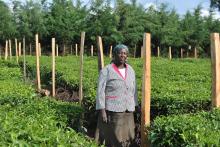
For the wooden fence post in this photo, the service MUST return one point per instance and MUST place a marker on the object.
(16, 49)
(100, 53)
(24, 60)
(92, 50)
(181, 53)
(53, 67)
(57, 51)
(6, 50)
(81, 67)
(195, 53)
(110, 54)
(30, 49)
(19, 49)
(135, 49)
(39, 49)
(100, 66)
(215, 58)
(71, 49)
(146, 91)
(10, 53)
(158, 51)
(76, 48)
(170, 53)
(37, 63)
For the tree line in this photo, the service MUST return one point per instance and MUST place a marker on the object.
(120, 22)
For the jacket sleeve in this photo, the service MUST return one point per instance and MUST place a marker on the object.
(100, 94)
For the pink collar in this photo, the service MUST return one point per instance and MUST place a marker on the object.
(117, 71)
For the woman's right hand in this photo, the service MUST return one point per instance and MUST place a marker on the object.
(104, 116)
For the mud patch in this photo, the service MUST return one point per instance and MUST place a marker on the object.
(66, 95)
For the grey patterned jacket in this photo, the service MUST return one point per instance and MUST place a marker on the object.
(115, 93)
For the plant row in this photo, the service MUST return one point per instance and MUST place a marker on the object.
(177, 86)
(202, 129)
(29, 120)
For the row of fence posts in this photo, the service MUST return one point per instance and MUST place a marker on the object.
(146, 85)
(170, 53)
(18, 50)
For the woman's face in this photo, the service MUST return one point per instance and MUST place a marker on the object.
(121, 56)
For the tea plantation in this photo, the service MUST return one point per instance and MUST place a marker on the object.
(180, 102)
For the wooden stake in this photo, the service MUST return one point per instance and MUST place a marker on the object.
(100, 53)
(195, 53)
(81, 67)
(19, 49)
(6, 50)
(39, 47)
(215, 58)
(92, 50)
(37, 63)
(146, 91)
(16, 49)
(30, 49)
(110, 55)
(53, 67)
(24, 61)
(170, 53)
(10, 52)
(57, 47)
(76, 49)
(135, 49)
(158, 51)
(71, 49)
(181, 52)
(100, 66)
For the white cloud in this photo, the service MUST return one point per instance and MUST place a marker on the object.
(147, 5)
(205, 13)
(217, 15)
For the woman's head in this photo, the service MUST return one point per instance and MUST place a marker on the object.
(120, 54)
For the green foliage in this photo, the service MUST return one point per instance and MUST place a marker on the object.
(215, 4)
(200, 129)
(7, 25)
(65, 21)
(27, 120)
(178, 86)
(122, 23)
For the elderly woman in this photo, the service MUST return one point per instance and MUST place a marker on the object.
(116, 100)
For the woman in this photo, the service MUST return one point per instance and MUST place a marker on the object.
(116, 100)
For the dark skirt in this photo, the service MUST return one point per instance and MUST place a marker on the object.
(119, 131)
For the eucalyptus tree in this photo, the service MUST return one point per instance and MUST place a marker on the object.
(29, 19)
(102, 21)
(132, 22)
(211, 25)
(165, 27)
(215, 4)
(65, 21)
(7, 24)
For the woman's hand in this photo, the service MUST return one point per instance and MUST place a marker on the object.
(104, 115)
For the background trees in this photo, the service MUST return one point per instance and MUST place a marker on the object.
(119, 22)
